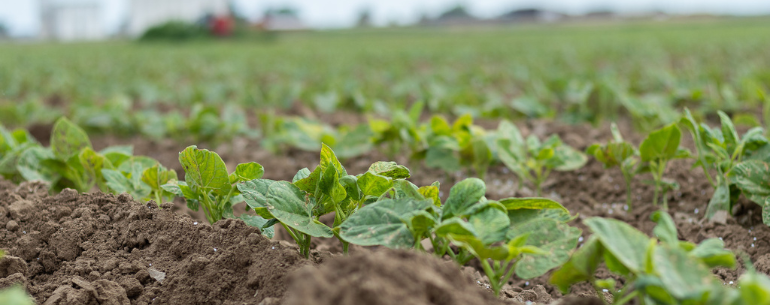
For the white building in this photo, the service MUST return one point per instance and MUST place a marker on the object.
(148, 13)
(71, 20)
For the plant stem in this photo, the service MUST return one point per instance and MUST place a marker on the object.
(157, 199)
(626, 298)
(307, 245)
(628, 191)
(345, 246)
(491, 275)
(599, 292)
(207, 206)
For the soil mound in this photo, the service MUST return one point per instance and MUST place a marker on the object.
(386, 277)
(104, 249)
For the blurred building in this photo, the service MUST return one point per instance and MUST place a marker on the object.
(531, 15)
(148, 13)
(285, 19)
(71, 20)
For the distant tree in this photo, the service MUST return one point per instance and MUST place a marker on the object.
(456, 12)
(176, 31)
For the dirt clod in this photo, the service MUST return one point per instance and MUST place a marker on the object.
(385, 277)
(66, 253)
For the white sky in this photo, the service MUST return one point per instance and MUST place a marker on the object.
(21, 16)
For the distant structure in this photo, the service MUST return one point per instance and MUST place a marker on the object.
(145, 14)
(364, 19)
(531, 15)
(285, 19)
(600, 14)
(71, 20)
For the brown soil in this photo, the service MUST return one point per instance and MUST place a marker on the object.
(590, 191)
(105, 249)
(386, 277)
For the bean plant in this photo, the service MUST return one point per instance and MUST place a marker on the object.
(666, 272)
(522, 236)
(721, 150)
(462, 144)
(660, 147)
(208, 185)
(618, 153)
(299, 204)
(532, 160)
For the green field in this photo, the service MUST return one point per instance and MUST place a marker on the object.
(574, 73)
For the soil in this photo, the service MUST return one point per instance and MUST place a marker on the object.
(106, 249)
(386, 277)
(255, 273)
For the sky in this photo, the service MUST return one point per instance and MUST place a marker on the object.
(21, 17)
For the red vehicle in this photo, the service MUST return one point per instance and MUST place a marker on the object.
(222, 26)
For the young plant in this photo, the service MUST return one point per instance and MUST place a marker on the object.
(402, 130)
(752, 178)
(155, 177)
(142, 178)
(531, 160)
(12, 145)
(299, 204)
(617, 153)
(721, 150)
(525, 236)
(669, 272)
(460, 145)
(69, 162)
(656, 150)
(208, 185)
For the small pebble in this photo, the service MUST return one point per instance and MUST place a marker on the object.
(696, 210)
(195, 223)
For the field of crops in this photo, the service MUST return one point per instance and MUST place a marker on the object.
(621, 163)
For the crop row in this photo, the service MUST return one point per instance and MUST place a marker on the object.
(733, 164)
(522, 236)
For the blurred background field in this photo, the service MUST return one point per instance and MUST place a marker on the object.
(217, 76)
